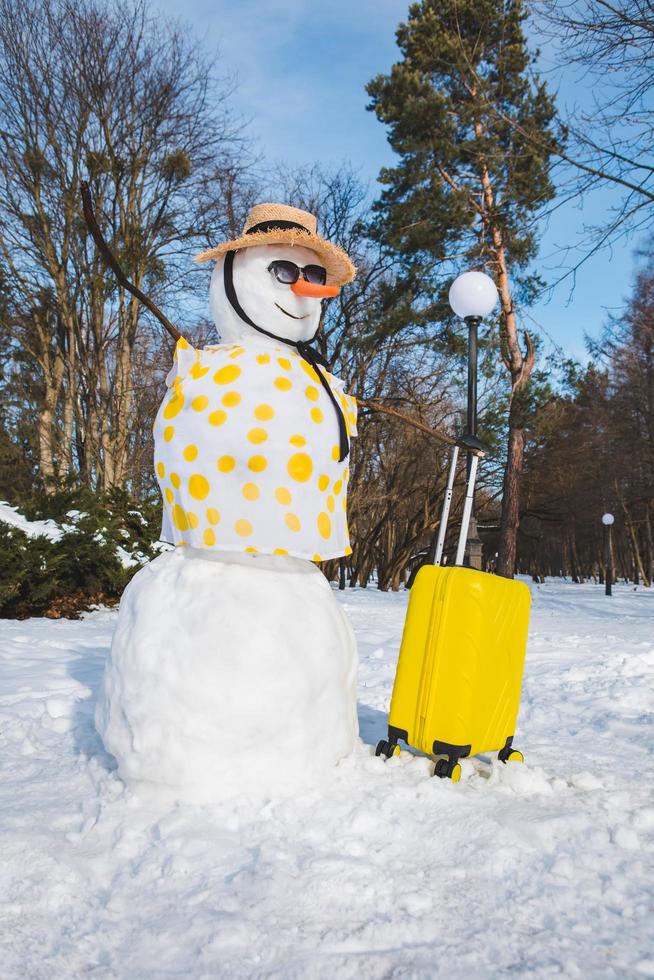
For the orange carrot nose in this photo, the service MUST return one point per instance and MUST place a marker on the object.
(304, 288)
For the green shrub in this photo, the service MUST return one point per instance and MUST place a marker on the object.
(106, 538)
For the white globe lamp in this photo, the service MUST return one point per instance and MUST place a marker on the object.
(607, 520)
(473, 294)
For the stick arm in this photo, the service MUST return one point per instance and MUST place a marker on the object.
(112, 262)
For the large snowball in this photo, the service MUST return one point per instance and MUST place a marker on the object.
(229, 675)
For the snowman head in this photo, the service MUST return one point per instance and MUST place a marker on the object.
(272, 279)
(278, 287)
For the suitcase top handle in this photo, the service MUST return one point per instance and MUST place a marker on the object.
(471, 445)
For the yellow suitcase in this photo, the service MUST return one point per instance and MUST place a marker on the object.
(459, 673)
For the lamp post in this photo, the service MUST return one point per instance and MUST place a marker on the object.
(607, 521)
(473, 295)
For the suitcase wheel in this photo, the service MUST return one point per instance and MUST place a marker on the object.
(509, 754)
(447, 769)
(387, 749)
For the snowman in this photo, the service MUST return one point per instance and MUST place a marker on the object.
(232, 668)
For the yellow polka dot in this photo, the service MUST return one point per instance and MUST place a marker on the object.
(243, 528)
(237, 352)
(250, 491)
(292, 521)
(192, 519)
(197, 371)
(252, 551)
(284, 363)
(317, 558)
(227, 374)
(283, 496)
(300, 467)
(209, 537)
(198, 486)
(182, 343)
(179, 518)
(264, 412)
(316, 415)
(200, 403)
(226, 464)
(324, 525)
(231, 399)
(311, 393)
(170, 496)
(161, 470)
(280, 551)
(257, 435)
(212, 515)
(190, 452)
(336, 452)
(217, 417)
(344, 502)
(310, 371)
(263, 358)
(175, 480)
(283, 384)
(330, 504)
(257, 463)
(323, 482)
(297, 441)
(338, 486)
(346, 474)
(348, 550)
(169, 432)
(174, 406)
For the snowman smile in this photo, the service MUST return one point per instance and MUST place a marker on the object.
(290, 314)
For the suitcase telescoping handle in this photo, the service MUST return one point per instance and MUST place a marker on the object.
(471, 445)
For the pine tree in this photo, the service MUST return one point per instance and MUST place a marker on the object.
(475, 131)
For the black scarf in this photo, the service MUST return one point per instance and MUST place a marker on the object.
(310, 355)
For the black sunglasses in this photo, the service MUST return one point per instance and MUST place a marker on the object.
(289, 272)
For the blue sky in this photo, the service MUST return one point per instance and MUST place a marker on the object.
(301, 67)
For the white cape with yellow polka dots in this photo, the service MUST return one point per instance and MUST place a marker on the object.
(246, 453)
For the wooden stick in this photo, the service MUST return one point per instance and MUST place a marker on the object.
(434, 433)
(112, 262)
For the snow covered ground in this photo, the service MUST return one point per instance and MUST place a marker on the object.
(539, 870)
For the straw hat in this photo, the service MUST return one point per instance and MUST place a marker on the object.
(279, 224)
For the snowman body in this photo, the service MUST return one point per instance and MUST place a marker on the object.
(233, 666)
(229, 675)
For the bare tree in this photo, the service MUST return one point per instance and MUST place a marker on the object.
(611, 45)
(109, 93)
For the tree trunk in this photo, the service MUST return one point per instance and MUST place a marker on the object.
(649, 546)
(639, 570)
(520, 367)
(46, 449)
(511, 504)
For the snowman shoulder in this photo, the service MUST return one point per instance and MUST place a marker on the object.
(192, 361)
(184, 358)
